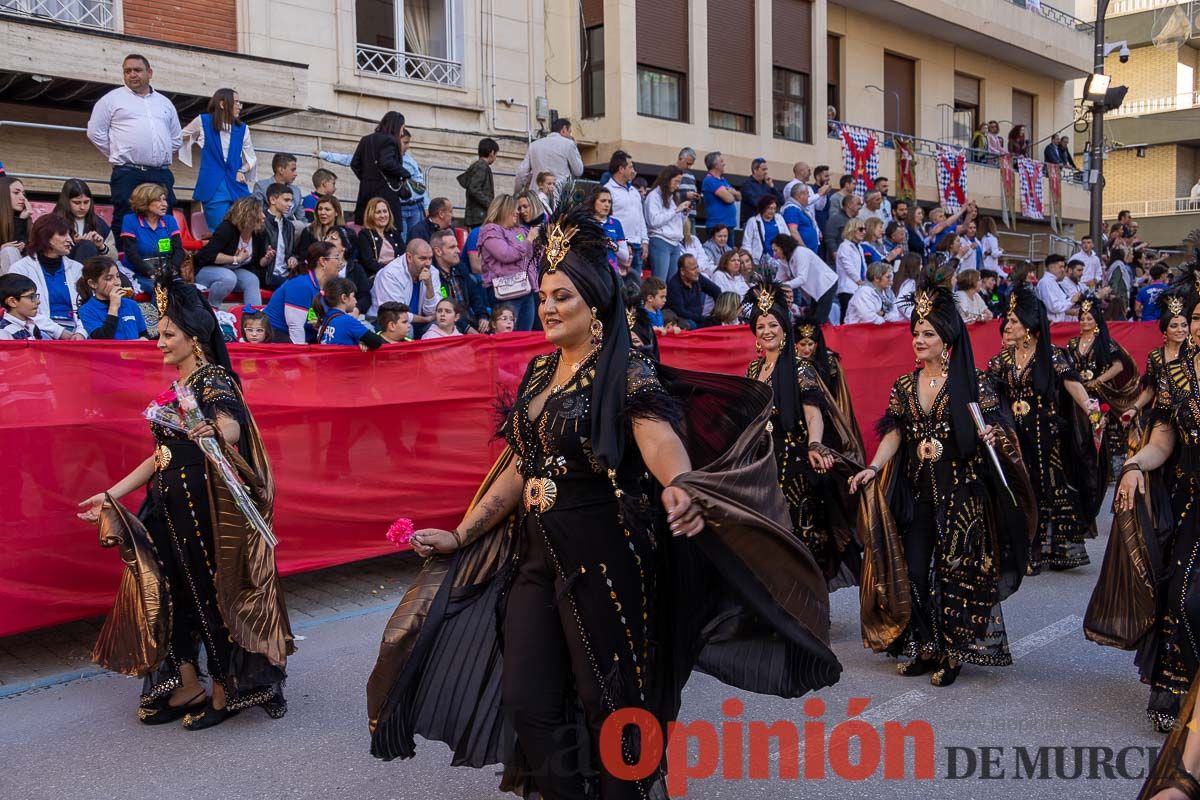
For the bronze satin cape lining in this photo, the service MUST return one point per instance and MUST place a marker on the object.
(1171, 754)
(747, 516)
(134, 637)
(885, 594)
(1123, 605)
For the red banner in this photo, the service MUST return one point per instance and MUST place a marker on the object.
(356, 439)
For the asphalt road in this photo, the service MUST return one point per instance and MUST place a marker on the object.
(81, 738)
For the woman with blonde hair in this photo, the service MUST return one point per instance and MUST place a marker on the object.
(507, 258)
(237, 255)
(149, 234)
(851, 262)
(969, 301)
(379, 242)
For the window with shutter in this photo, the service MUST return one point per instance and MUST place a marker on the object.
(731, 96)
(662, 58)
(791, 52)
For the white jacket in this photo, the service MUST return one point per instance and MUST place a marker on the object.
(807, 272)
(627, 207)
(663, 221)
(30, 268)
(851, 267)
(753, 233)
(866, 306)
(394, 283)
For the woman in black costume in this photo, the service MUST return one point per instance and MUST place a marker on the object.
(938, 508)
(804, 423)
(810, 345)
(1155, 503)
(585, 577)
(1174, 327)
(1049, 405)
(197, 575)
(1109, 376)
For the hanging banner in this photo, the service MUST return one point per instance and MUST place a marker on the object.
(1054, 197)
(952, 177)
(906, 169)
(860, 158)
(1008, 191)
(1032, 195)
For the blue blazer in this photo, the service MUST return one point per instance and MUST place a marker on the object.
(219, 170)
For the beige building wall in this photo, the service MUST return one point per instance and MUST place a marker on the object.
(864, 43)
(502, 48)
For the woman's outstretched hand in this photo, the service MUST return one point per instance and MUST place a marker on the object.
(861, 479)
(428, 541)
(92, 512)
(1132, 483)
(683, 515)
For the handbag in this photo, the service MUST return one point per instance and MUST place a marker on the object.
(511, 286)
(404, 189)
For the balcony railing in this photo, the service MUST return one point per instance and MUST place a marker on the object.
(1153, 208)
(1054, 15)
(1157, 105)
(84, 13)
(1134, 6)
(408, 66)
(929, 147)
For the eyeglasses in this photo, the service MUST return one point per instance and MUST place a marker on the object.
(31, 296)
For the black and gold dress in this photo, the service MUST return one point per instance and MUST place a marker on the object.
(584, 591)
(1058, 452)
(1117, 393)
(963, 540)
(197, 577)
(819, 505)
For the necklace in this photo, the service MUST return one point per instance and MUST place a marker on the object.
(933, 381)
(558, 387)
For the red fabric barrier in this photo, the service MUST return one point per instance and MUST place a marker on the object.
(356, 439)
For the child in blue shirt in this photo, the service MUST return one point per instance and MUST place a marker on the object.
(337, 325)
(106, 311)
(324, 182)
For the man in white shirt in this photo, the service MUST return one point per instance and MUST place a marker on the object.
(137, 129)
(1059, 305)
(873, 207)
(628, 208)
(1195, 194)
(409, 279)
(1071, 282)
(556, 153)
(1093, 270)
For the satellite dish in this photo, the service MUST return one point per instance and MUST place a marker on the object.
(1172, 28)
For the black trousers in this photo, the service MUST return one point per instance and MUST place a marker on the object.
(843, 301)
(538, 685)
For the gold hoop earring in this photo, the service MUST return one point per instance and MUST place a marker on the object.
(758, 348)
(197, 352)
(945, 361)
(596, 329)
(1025, 342)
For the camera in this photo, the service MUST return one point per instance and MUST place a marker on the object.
(1123, 54)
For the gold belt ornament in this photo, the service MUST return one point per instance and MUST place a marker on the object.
(540, 493)
(1086, 374)
(162, 457)
(929, 449)
(1020, 407)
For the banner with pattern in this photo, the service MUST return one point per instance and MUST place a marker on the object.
(1030, 172)
(860, 158)
(1054, 197)
(1008, 191)
(952, 177)
(906, 169)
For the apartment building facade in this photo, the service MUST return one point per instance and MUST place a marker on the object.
(753, 78)
(1154, 145)
(313, 74)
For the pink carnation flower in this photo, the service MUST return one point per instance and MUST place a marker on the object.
(400, 532)
(166, 398)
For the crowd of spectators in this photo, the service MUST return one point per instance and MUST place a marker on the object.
(282, 264)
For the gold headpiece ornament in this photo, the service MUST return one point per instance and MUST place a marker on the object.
(558, 244)
(1174, 307)
(924, 304)
(808, 331)
(631, 316)
(1012, 302)
(765, 300)
(1085, 307)
(161, 299)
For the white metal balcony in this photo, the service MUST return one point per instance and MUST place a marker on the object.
(83, 13)
(1152, 208)
(408, 66)
(1157, 105)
